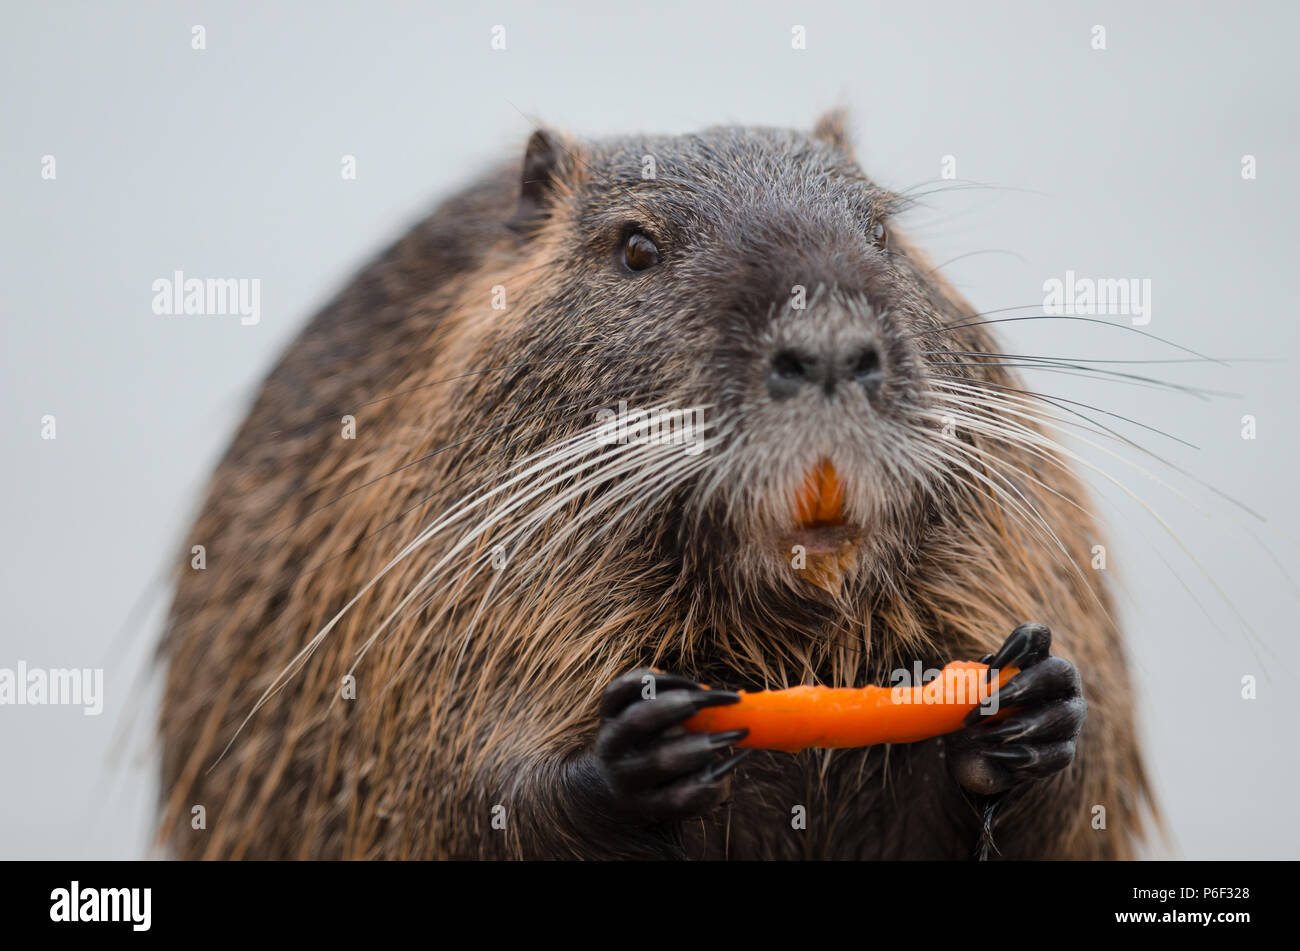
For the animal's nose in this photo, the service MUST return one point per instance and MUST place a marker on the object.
(793, 370)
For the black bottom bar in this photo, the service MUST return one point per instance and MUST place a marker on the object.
(992, 902)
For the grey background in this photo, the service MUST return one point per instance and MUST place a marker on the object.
(225, 162)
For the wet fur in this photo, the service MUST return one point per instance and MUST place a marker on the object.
(481, 696)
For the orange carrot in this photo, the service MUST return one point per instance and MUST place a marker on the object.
(801, 717)
(820, 500)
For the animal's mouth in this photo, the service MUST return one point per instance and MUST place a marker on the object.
(819, 511)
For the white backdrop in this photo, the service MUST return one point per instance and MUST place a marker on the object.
(225, 161)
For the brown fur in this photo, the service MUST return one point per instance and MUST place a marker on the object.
(475, 699)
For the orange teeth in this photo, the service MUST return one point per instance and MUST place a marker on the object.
(821, 499)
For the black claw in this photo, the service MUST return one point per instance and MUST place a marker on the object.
(729, 738)
(664, 681)
(714, 773)
(1054, 679)
(1028, 644)
(1057, 720)
(1012, 755)
(1002, 733)
(1011, 648)
(715, 698)
(1013, 693)
(626, 689)
(978, 714)
(984, 710)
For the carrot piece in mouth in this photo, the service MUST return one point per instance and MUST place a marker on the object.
(820, 500)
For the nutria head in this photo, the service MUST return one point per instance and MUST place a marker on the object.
(753, 278)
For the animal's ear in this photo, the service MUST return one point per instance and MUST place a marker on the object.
(547, 159)
(832, 128)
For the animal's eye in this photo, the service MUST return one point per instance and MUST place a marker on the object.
(879, 236)
(639, 252)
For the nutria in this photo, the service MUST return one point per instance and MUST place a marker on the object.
(445, 613)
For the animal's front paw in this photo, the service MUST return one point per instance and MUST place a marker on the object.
(654, 768)
(1038, 737)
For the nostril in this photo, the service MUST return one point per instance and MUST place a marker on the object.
(789, 372)
(790, 365)
(865, 366)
